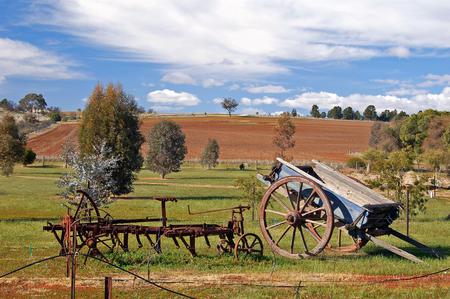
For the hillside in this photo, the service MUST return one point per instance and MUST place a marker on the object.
(246, 138)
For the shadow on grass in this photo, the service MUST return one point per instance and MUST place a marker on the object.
(442, 251)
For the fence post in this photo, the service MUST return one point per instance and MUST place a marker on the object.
(108, 287)
(407, 210)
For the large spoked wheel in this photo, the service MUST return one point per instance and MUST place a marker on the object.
(341, 242)
(291, 209)
(248, 245)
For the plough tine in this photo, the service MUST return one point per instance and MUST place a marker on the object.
(394, 249)
(420, 246)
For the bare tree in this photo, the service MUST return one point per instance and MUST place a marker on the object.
(230, 105)
(284, 135)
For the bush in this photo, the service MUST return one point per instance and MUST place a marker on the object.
(55, 116)
(28, 157)
(356, 163)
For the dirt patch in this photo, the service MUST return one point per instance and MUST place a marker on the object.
(240, 138)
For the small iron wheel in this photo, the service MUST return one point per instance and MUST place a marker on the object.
(224, 246)
(248, 245)
(288, 209)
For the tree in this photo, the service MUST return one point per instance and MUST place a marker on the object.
(28, 157)
(252, 190)
(370, 113)
(446, 137)
(32, 102)
(315, 111)
(294, 112)
(12, 144)
(166, 148)
(373, 158)
(284, 135)
(7, 105)
(335, 112)
(357, 115)
(210, 154)
(93, 173)
(323, 115)
(230, 105)
(68, 149)
(384, 137)
(111, 118)
(348, 113)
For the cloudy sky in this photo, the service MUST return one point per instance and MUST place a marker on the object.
(183, 56)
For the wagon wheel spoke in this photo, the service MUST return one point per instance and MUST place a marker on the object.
(276, 224)
(293, 239)
(299, 194)
(307, 201)
(289, 196)
(316, 222)
(280, 202)
(303, 239)
(276, 212)
(313, 211)
(283, 234)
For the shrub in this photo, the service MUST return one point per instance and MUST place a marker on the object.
(28, 157)
(356, 163)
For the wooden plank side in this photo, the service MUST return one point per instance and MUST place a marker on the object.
(349, 188)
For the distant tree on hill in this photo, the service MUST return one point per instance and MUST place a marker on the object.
(294, 112)
(284, 135)
(210, 155)
(230, 105)
(315, 111)
(384, 137)
(335, 112)
(28, 157)
(111, 119)
(8, 105)
(323, 115)
(357, 115)
(12, 145)
(348, 113)
(370, 113)
(166, 148)
(32, 102)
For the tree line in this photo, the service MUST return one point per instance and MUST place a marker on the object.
(370, 113)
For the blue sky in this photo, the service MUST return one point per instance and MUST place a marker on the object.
(182, 56)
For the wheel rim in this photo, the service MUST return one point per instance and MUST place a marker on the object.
(287, 207)
(248, 245)
(341, 242)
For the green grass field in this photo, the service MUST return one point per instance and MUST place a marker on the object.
(29, 199)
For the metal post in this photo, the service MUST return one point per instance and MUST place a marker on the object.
(407, 210)
(73, 268)
(163, 211)
(108, 287)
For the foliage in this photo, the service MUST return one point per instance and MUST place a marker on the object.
(294, 112)
(54, 114)
(356, 162)
(229, 104)
(357, 115)
(446, 137)
(12, 144)
(68, 149)
(252, 190)
(284, 135)
(166, 148)
(384, 137)
(93, 173)
(28, 157)
(111, 118)
(315, 111)
(210, 154)
(32, 102)
(370, 113)
(335, 112)
(323, 115)
(8, 105)
(348, 113)
(373, 159)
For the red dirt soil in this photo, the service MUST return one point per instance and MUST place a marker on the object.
(241, 138)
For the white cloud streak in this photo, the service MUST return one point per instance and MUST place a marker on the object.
(238, 39)
(266, 89)
(178, 78)
(167, 97)
(22, 59)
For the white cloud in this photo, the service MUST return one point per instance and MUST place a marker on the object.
(21, 59)
(406, 91)
(266, 89)
(234, 87)
(259, 101)
(212, 83)
(432, 80)
(400, 52)
(252, 111)
(168, 97)
(178, 78)
(231, 39)
(440, 101)
(387, 81)
(217, 100)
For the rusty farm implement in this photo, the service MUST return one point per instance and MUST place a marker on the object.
(87, 228)
(303, 205)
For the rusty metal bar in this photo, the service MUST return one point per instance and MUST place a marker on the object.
(108, 287)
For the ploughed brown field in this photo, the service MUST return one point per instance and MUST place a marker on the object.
(241, 138)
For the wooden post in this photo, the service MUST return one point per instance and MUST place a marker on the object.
(108, 287)
(407, 210)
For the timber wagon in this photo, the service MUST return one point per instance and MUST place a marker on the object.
(303, 206)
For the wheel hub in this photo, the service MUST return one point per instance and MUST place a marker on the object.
(294, 218)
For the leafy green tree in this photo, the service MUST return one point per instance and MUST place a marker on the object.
(370, 113)
(355, 162)
(12, 144)
(315, 111)
(230, 105)
(373, 159)
(357, 115)
(166, 148)
(7, 105)
(210, 155)
(294, 112)
(335, 112)
(323, 115)
(348, 113)
(32, 101)
(384, 137)
(284, 135)
(252, 190)
(111, 119)
(28, 157)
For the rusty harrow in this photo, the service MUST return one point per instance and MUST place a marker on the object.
(94, 230)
